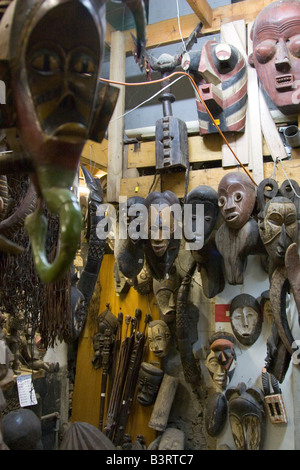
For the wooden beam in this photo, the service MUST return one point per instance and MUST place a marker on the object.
(116, 126)
(96, 154)
(167, 32)
(203, 10)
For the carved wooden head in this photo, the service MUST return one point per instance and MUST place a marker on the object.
(221, 360)
(149, 380)
(159, 337)
(245, 318)
(237, 197)
(276, 53)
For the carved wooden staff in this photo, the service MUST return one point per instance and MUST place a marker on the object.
(118, 384)
(131, 381)
(105, 366)
(116, 351)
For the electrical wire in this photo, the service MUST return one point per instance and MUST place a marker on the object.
(152, 82)
(179, 27)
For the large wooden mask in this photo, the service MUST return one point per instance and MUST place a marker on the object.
(245, 318)
(276, 53)
(222, 81)
(221, 360)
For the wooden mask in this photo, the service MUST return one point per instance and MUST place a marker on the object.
(149, 380)
(165, 292)
(276, 53)
(162, 245)
(221, 74)
(221, 360)
(159, 338)
(247, 417)
(245, 318)
(236, 196)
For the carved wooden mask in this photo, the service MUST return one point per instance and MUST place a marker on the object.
(276, 53)
(247, 417)
(149, 380)
(245, 318)
(223, 87)
(159, 337)
(221, 360)
(236, 196)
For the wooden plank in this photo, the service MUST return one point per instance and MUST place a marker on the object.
(96, 153)
(270, 131)
(255, 132)
(139, 186)
(203, 10)
(234, 33)
(167, 32)
(116, 127)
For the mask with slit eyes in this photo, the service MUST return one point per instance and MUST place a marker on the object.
(276, 53)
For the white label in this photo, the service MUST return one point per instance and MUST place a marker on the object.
(27, 396)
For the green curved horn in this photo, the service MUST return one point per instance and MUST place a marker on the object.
(64, 203)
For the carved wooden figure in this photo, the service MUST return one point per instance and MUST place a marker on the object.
(165, 292)
(159, 337)
(245, 318)
(238, 236)
(276, 53)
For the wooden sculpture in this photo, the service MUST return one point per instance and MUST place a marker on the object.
(245, 318)
(56, 103)
(276, 53)
(238, 236)
(247, 416)
(207, 256)
(162, 245)
(220, 72)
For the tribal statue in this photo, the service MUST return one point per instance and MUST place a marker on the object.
(56, 103)
(276, 53)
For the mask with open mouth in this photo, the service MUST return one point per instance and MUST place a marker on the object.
(276, 53)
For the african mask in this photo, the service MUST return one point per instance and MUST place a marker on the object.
(105, 335)
(276, 53)
(221, 76)
(278, 229)
(149, 380)
(245, 318)
(159, 338)
(57, 101)
(162, 245)
(236, 196)
(172, 439)
(199, 233)
(221, 360)
(247, 416)
(165, 292)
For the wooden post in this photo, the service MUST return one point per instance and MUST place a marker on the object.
(163, 403)
(116, 128)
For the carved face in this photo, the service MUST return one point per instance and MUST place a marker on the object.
(236, 198)
(159, 338)
(223, 88)
(221, 362)
(149, 381)
(165, 292)
(161, 225)
(172, 439)
(208, 198)
(279, 228)
(276, 53)
(245, 318)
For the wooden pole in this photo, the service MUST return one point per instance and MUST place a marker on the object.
(163, 403)
(116, 127)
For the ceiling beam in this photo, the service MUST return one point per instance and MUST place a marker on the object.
(203, 10)
(167, 32)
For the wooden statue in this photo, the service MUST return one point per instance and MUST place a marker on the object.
(220, 72)
(159, 337)
(149, 381)
(238, 236)
(276, 53)
(107, 327)
(208, 258)
(245, 318)
(162, 245)
(247, 416)
(221, 360)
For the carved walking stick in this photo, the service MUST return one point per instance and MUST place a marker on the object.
(105, 366)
